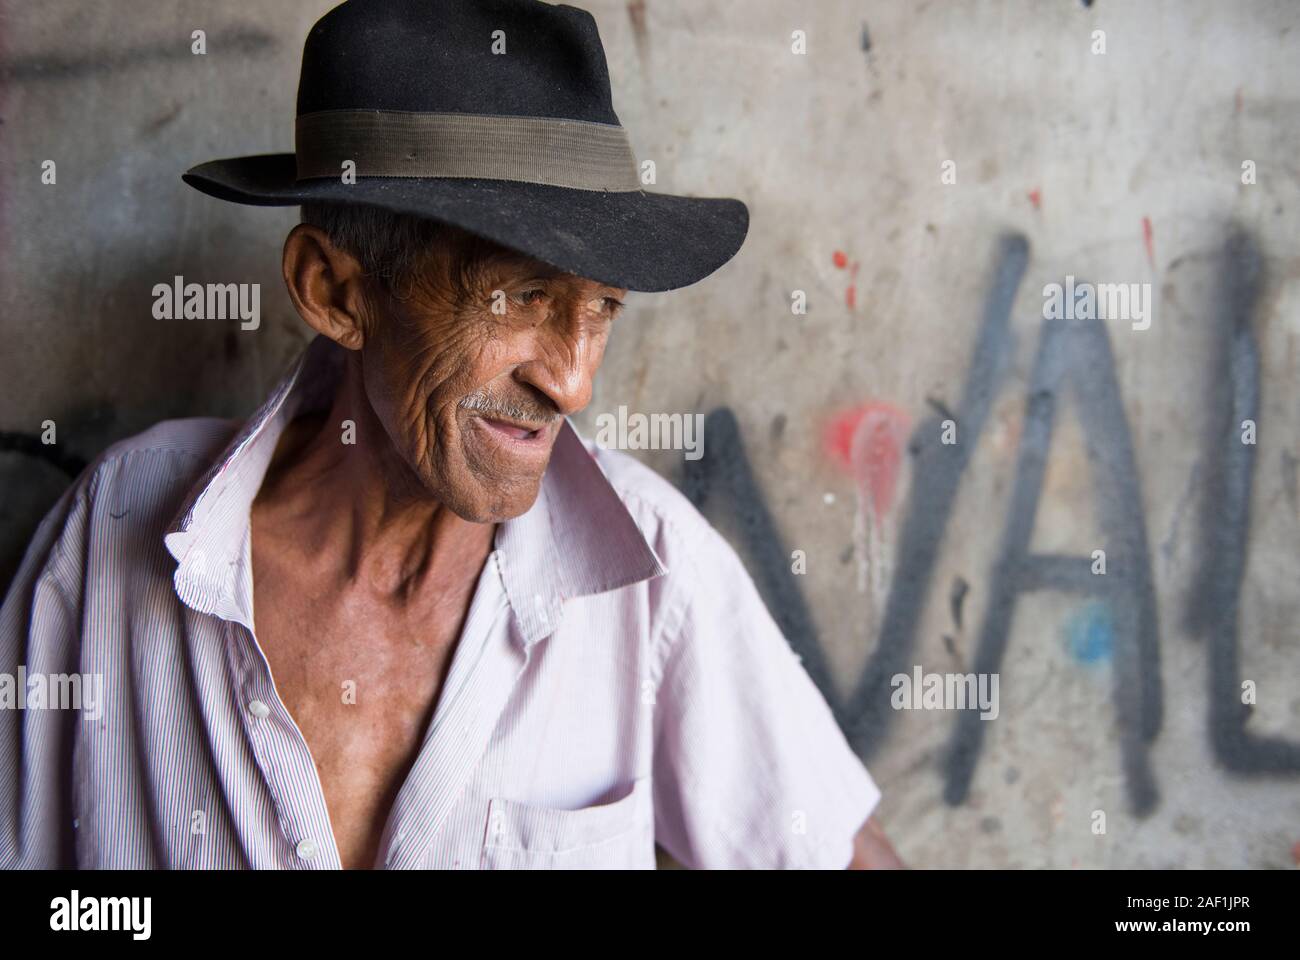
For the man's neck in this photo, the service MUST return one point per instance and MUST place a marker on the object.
(357, 510)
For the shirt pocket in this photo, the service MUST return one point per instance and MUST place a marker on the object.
(611, 836)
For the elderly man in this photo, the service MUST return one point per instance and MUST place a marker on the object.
(403, 616)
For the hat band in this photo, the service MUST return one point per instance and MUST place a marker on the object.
(579, 154)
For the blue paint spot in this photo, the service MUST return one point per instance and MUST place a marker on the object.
(1090, 632)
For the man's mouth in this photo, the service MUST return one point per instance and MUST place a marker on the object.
(515, 431)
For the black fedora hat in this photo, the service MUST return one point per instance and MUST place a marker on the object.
(494, 116)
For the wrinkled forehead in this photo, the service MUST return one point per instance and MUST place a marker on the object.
(461, 267)
(515, 261)
(476, 251)
(470, 251)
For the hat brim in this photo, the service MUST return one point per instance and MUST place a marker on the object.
(637, 240)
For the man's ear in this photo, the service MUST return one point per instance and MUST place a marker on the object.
(327, 286)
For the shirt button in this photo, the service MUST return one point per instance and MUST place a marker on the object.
(306, 848)
(258, 709)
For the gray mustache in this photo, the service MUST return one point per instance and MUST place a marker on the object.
(498, 408)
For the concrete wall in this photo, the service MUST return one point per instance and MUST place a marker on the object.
(1118, 693)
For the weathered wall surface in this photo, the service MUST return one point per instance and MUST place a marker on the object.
(1120, 692)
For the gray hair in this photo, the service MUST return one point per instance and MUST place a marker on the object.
(390, 246)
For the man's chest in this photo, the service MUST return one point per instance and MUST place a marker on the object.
(361, 681)
(531, 745)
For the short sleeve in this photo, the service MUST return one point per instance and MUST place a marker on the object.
(39, 633)
(750, 768)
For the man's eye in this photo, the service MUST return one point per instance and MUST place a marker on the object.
(529, 297)
(613, 305)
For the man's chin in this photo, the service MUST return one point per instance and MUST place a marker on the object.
(491, 504)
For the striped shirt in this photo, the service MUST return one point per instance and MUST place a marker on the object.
(617, 684)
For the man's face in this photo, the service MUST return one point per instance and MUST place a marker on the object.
(472, 373)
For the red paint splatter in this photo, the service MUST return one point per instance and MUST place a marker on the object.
(1148, 240)
(1036, 198)
(636, 13)
(839, 437)
(868, 441)
(841, 260)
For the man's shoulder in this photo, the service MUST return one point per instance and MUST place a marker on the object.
(127, 495)
(202, 437)
(159, 464)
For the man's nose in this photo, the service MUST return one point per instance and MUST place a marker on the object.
(566, 352)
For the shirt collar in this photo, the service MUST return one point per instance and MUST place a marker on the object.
(577, 538)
